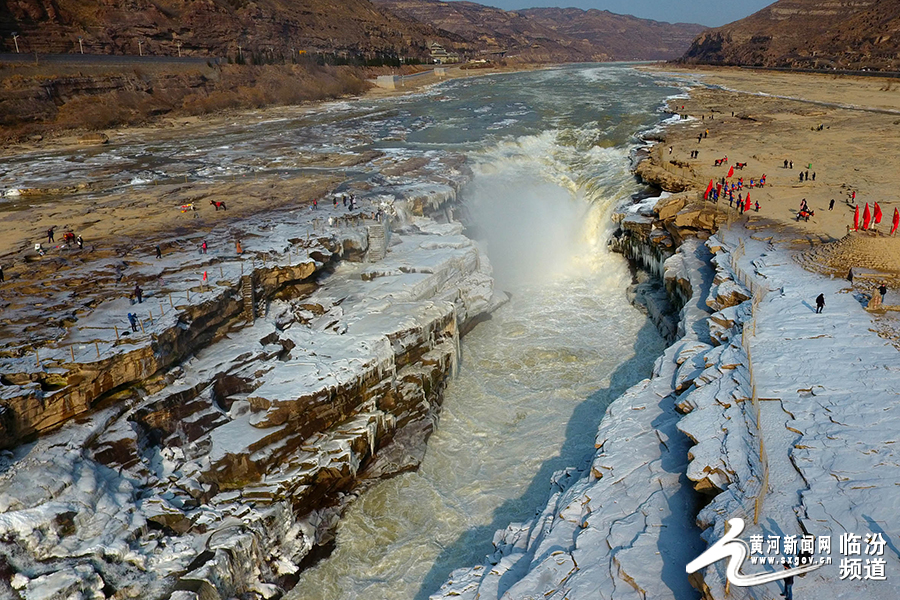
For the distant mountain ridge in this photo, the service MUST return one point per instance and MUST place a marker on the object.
(621, 37)
(281, 28)
(551, 34)
(830, 34)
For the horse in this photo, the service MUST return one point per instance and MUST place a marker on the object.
(218, 205)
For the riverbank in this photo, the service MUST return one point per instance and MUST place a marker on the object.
(279, 361)
(760, 406)
(257, 393)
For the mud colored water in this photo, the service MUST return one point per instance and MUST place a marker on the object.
(550, 152)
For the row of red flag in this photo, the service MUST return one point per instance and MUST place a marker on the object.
(874, 217)
(718, 187)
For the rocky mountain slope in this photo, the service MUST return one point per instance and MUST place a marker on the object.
(210, 28)
(620, 37)
(807, 34)
(550, 34)
(274, 30)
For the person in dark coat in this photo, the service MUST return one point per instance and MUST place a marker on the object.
(158, 251)
(788, 585)
(132, 318)
(820, 303)
(831, 204)
(1, 273)
(50, 236)
(139, 294)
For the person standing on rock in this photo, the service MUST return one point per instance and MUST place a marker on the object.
(132, 318)
(158, 251)
(788, 593)
(820, 303)
(203, 247)
(50, 235)
(792, 164)
(80, 241)
(139, 293)
(882, 292)
(238, 248)
(1, 274)
(831, 204)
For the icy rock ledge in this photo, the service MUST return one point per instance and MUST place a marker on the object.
(612, 530)
(813, 456)
(220, 483)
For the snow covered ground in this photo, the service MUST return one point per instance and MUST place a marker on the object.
(224, 474)
(796, 438)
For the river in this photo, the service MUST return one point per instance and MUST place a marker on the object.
(550, 154)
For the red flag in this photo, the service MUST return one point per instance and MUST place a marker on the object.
(204, 275)
(731, 171)
(896, 221)
(747, 203)
(867, 217)
(856, 219)
(708, 190)
(877, 216)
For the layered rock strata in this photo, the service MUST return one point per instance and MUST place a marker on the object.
(625, 527)
(210, 458)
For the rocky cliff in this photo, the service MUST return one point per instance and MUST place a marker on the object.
(273, 29)
(268, 28)
(807, 34)
(209, 453)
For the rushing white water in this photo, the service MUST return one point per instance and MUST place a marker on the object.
(535, 379)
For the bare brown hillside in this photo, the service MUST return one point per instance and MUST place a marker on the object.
(551, 34)
(813, 34)
(620, 37)
(263, 28)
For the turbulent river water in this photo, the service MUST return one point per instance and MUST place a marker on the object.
(550, 152)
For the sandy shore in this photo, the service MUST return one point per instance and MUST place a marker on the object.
(842, 129)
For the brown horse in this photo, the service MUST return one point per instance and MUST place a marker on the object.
(218, 205)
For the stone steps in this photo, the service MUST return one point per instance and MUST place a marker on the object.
(377, 233)
(248, 296)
